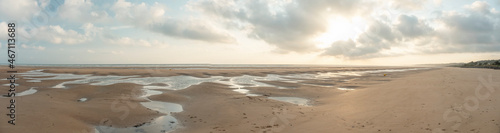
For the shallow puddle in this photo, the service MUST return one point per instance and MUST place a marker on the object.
(244, 91)
(168, 123)
(161, 124)
(345, 89)
(82, 99)
(148, 93)
(182, 82)
(293, 100)
(30, 91)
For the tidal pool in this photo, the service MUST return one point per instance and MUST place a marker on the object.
(293, 100)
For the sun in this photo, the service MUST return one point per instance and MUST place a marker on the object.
(340, 28)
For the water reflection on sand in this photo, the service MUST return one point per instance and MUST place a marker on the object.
(154, 85)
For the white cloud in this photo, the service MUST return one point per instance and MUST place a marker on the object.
(57, 35)
(475, 30)
(3, 31)
(120, 27)
(153, 18)
(411, 26)
(409, 4)
(18, 9)
(192, 29)
(378, 37)
(138, 13)
(126, 41)
(81, 11)
(479, 6)
(32, 47)
(290, 25)
(129, 41)
(438, 2)
(91, 30)
(389, 28)
(117, 52)
(43, 3)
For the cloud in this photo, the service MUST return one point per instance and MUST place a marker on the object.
(117, 52)
(81, 11)
(388, 28)
(480, 7)
(90, 51)
(411, 26)
(344, 48)
(289, 25)
(18, 9)
(127, 41)
(378, 37)
(139, 14)
(379, 32)
(3, 31)
(44, 3)
(476, 29)
(153, 18)
(120, 27)
(292, 25)
(32, 47)
(100, 34)
(192, 30)
(91, 30)
(409, 4)
(57, 35)
(438, 2)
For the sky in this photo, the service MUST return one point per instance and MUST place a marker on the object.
(331, 32)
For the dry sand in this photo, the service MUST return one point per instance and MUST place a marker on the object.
(415, 101)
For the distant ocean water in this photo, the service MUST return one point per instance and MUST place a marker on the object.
(184, 66)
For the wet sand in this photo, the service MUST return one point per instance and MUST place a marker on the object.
(411, 101)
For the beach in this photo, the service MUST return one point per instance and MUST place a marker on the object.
(247, 99)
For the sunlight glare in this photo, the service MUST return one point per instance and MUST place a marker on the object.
(340, 28)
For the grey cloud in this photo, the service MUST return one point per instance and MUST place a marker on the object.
(379, 32)
(408, 4)
(477, 29)
(18, 10)
(474, 30)
(378, 37)
(411, 26)
(81, 11)
(350, 49)
(291, 26)
(191, 30)
(288, 26)
(480, 7)
(468, 23)
(153, 18)
(341, 48)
